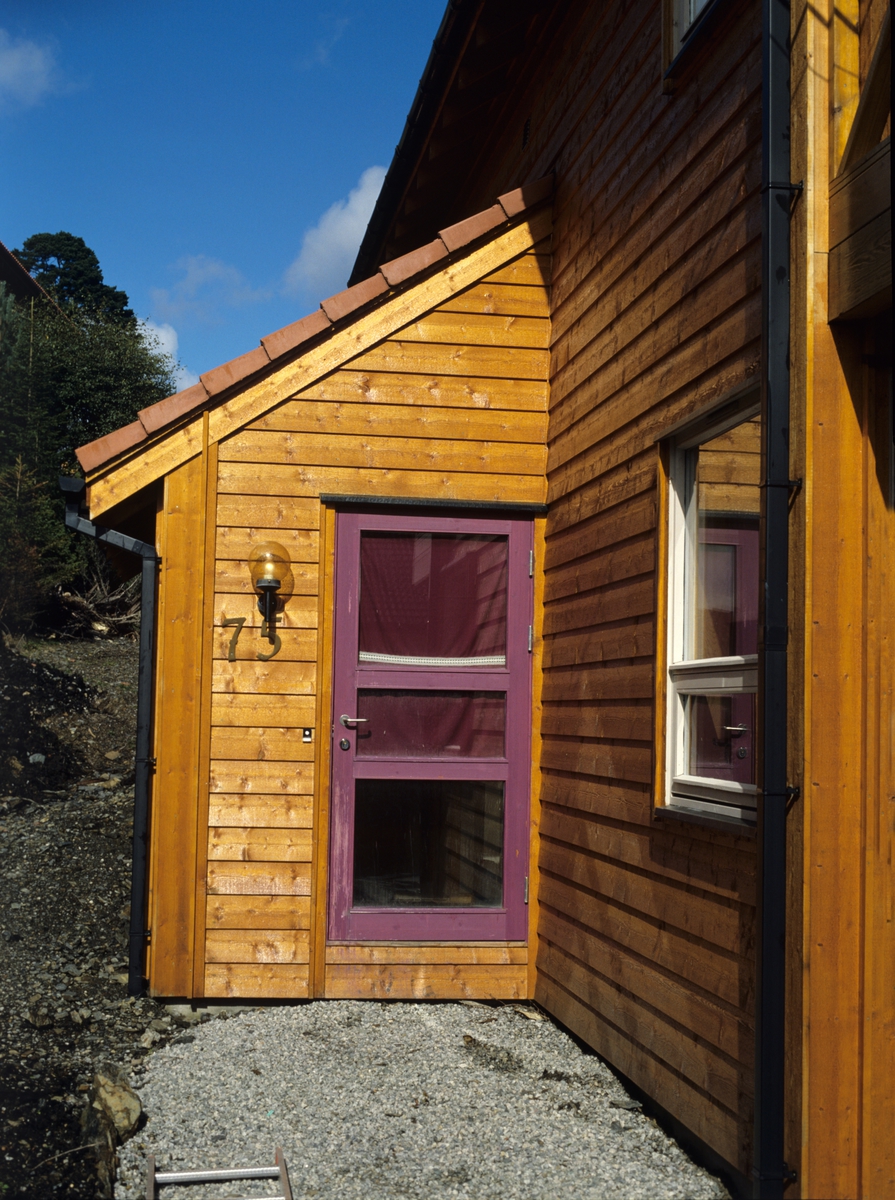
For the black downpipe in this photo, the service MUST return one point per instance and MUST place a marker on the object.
(770, 1172)
(74, 490)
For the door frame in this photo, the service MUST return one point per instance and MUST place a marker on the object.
(509, 922)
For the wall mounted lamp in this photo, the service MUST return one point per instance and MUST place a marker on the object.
(272, 579)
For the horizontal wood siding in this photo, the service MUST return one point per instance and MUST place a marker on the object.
(647, 929)
(452, 406)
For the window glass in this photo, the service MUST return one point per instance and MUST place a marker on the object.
(430, 724)
(435, 600)
(432, 843)
(725, 591)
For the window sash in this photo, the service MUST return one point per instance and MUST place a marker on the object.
(688, 676)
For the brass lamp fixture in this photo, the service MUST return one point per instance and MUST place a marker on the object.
(272, 579)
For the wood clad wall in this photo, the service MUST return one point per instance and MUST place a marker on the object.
(843, 995)
(646, 927)
(453, 406)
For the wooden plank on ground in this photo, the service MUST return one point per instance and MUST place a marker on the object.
(259, 879)
(256, 946)
(256, 981)
(258, 912)
(365, 981)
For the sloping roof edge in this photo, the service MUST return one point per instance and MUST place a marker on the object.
(334, 314)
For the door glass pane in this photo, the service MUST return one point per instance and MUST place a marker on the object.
(720, 735)
(435, 600)
(428, 843)
(427, 724)
(728, 473)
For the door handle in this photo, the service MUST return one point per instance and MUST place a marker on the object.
(349, 721)
(736, 730)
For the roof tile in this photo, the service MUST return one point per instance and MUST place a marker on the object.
(464, 232)
(346, 302)
(520, 198)
(172, 408)
(286, 339)
(234, 371)
(402, 268)
(94, 454)
(390, 274)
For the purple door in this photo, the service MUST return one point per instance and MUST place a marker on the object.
(431, 728)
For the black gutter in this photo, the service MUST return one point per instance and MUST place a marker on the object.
(74, 491)
(770, 1172)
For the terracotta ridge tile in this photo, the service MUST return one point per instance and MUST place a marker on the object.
(234, 371)
(172, 408)
(281, 341)
(464, 232)
(406, 265)
(527, 196)
(339, 306)
(110, 445)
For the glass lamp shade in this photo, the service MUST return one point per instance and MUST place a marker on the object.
(270, 561)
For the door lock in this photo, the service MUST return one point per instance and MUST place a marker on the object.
(344, 744)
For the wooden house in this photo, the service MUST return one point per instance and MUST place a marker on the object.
(523, 615)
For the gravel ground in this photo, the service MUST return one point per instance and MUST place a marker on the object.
(66, 800)
(387, 1101)
(382, 1101)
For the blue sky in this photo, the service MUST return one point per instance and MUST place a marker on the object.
(220, 158)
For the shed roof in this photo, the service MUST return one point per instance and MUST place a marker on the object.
(335, 315)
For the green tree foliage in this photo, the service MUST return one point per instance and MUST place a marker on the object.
(66, 268)
(66, 378)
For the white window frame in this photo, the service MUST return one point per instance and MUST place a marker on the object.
(685, 676)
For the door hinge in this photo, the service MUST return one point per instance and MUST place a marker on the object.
(530, 638)
(526, 889)
(531, 564)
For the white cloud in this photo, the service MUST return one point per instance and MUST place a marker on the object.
(164, 337)
(207, 286)
(26, 72)
(328, 250)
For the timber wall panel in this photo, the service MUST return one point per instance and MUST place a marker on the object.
(454, 405)
(647, 928)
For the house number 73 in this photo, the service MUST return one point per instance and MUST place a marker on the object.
(238, 622)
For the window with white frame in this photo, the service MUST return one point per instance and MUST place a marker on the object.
(713, 579)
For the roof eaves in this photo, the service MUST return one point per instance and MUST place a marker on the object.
(333, 314)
